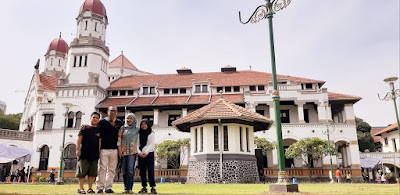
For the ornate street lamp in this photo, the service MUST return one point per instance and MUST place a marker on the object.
(392, 95)
(263, 12)
(61, 171)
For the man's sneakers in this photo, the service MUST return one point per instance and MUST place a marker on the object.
(153, 191)
(109, 191)
(99, 191)
(143, 191)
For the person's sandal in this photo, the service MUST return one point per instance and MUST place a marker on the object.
(143, 191)
(81, 191)
(91, 191)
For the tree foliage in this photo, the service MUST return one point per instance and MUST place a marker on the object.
(309, 150)
(362, 126)
(173, 153)
(264, 145)
(365, 140)
(10, 121)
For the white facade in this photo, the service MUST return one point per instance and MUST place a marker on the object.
(390, 141)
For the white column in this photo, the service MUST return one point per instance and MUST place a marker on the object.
(271, 111)
(349, 155)
(329, 112)
(300, 111)
(344, 157)
(349, 111)
(321, 113)
(275, 158)
(184, 112)
(155, 122)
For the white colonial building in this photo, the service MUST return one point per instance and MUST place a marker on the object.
(80, 74)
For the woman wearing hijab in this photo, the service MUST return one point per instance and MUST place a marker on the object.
(128, 136)
(145, 148)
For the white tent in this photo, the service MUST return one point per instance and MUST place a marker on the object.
(10, 153)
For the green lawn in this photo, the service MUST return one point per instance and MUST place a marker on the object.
(171, 188)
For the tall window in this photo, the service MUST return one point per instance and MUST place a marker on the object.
(44, 158)
(48, 122)
(195, 140)
(226, 138)
(149, 90)
(201, 139)
(70, 157)
(70, 122)
(247, 140)
(216, 140)
(150, 118)
(80, 61)
(306, 117)
(86, 25)
(285, 116)
(78, 119)
(86, 60)
(51, 61)
(74, 61)
(95, 26)
(171, 118)
(241, 139)
(394, 145)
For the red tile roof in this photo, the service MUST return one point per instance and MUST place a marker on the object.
(388, 129)
(339, 96)
(115, 102)
(168, 100)
(375, 130)
(48, 82)
(238, 78)
(122, 62)
(96, 6)
(222, 109)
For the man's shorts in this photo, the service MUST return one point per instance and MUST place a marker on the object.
(86, 167)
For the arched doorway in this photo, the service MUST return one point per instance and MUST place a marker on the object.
(344, 154)
(289, 162)
(70, 157)
(44, 158)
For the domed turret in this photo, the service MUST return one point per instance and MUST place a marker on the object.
(95, 6)
(56, 57)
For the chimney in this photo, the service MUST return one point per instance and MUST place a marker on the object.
(184, 71)
(228, 69)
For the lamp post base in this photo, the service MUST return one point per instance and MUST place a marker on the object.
(284, 187)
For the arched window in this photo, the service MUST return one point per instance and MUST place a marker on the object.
(70, 157)
(70, 123)
(44, 158)
(78, 119)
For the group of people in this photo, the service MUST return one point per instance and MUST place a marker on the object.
(18, 175)
(101, 143)
(338, 175)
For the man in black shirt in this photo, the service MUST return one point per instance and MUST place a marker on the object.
(88, 154)
(109, 128)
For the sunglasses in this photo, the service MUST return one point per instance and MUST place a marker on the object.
(112, 110)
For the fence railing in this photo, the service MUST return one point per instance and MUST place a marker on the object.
(380, 155)
(314, 172)
(16, 135)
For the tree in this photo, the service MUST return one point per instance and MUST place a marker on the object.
(365, 140)
(10, 121)
(264, 145)
(362, 126)
(309, 150)
(173, 153)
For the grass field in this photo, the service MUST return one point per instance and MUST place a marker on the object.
(171, 188)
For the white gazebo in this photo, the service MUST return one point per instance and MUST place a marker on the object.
(222, 142)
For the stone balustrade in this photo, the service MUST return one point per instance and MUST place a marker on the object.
(15, 135)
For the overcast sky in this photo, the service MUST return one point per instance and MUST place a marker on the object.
(352, 45)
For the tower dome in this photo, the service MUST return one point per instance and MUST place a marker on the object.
(96, 6)
(59, 45)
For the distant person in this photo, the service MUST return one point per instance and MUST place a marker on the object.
(88, 154)
(128, 138)
(52, 175)
(22, 174)
(109, 128)
(348, 178)
(384, 178)
(146, 156)
(338, 174)
(16, 175)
